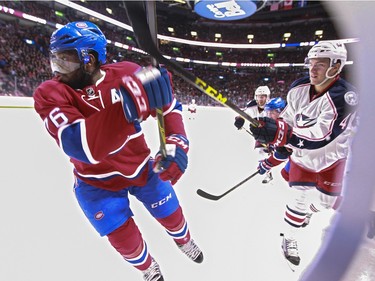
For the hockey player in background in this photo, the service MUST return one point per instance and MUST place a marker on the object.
(317, 125)
(277, 155)
(192, 108)
(255, 109)
(94, 112)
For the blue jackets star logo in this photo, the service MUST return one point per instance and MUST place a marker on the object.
(300, 144)
(304, 121)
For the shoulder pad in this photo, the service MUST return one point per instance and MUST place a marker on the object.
(251, 103)
(300, 81)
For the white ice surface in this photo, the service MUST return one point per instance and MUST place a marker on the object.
(44, 235)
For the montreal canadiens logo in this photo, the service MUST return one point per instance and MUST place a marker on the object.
(99, 215)
(81, 24)
(351, 98)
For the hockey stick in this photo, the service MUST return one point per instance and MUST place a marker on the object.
(137, 16)
(247, 131)
(151, 19)
(251, 134)
(209, 196)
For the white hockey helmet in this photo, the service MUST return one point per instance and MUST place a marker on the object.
(335, 51)
(193, 101)
(263, 91)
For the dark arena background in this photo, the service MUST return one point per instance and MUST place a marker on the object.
(44, 237)
(284, 34)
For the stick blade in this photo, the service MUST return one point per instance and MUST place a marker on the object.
(208, 196)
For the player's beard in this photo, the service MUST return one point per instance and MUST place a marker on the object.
(80, 79)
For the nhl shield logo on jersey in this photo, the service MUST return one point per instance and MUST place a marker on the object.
(351, 98)
(90, 92)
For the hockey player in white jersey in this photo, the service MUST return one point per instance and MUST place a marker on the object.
(317, 125)
(192, 108)
(255, 109)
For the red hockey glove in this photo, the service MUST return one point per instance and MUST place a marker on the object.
(156, 93)
(275, 159)
(174, 165)
(264, 166)
(157, 85)
(276, 132)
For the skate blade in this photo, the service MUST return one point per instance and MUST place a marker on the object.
(291, 266)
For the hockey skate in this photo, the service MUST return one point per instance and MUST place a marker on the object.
(153, 272)
(268, 178)
(307, 220)
(290, 249)
(192, 251)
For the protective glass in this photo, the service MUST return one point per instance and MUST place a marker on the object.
(62, 65)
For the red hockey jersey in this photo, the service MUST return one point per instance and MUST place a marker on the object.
(90, 127)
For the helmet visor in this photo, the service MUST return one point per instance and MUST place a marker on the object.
(63, 66)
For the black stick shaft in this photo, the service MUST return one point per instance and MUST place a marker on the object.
(209, 196)
(138, 19)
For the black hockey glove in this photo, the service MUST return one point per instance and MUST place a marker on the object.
(270, 131)
(238, 122)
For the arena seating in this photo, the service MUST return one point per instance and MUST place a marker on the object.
(24, 66)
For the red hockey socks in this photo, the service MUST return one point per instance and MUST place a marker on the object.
(128, 241)
(176, 226)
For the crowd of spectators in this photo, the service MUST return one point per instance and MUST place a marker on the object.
(23, 66)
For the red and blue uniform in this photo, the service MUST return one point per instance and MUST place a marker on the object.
(109, 153)
(106, 150)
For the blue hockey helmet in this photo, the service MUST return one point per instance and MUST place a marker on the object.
(82, 36)
(275, 104)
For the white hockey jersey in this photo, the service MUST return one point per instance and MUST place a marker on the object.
(192, 107)
(253, 110)
(323, 125)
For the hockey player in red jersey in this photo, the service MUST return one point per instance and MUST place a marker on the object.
(317, 125)
(94, 112)
(277, 155)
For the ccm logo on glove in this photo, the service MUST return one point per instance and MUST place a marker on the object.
(175, 163)
(280, 134)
